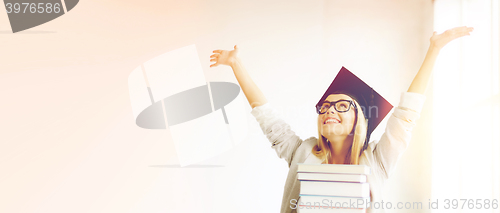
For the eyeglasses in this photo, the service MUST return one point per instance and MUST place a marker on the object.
(340, 106)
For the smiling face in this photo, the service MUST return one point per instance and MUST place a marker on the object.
(333, 124)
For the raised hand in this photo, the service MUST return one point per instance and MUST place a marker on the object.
(440, 40)
(225, 57)
(229, 57)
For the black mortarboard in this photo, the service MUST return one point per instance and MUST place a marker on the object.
(374, 106)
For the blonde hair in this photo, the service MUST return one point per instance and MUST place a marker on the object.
(323, 149)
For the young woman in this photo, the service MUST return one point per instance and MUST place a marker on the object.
(342, 128)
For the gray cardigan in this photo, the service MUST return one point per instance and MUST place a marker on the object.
(381, 156)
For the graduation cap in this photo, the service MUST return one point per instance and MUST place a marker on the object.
(374, 106)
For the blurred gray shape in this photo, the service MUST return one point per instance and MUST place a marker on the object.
(70, 4)
(188, 105)
(223, 93)
(152, 117)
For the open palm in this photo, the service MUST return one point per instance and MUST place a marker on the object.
(440, 40)
(225, 57)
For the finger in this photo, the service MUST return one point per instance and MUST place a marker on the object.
(214, 65)
(212, 60)
(469, 29)
(214, 55)
(458, 28)
(217, 51)
(236, 50)
(460, 34)
(465, 29)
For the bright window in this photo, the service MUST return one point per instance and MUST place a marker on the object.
(466, 150)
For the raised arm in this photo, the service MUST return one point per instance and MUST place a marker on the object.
(438, 41)
(283, 139)
(230, 58)
(397, 135)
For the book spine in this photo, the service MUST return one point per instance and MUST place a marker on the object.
(334, 189)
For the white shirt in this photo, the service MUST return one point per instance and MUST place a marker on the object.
(381, 156)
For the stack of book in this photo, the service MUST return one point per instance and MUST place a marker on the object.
(333, 188)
